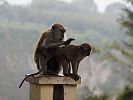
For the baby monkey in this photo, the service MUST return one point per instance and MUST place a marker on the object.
(70, 56)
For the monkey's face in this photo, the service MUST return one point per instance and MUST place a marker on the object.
(59, 31)
(86, 49)
(58, 28)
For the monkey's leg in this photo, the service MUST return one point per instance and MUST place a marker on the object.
(69, 69)
(75, 65)
(53, 66)
(65, 65)
(42, 64)
(36, 58)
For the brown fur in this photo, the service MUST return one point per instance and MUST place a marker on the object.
(65, 55)
(72, 54)
(51, 38)
(49, 41)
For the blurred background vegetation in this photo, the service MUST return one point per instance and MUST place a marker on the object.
(106, 74)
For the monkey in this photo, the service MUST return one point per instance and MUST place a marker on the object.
(53, 38)
(71, 54)
(43, 51)
(48, 38)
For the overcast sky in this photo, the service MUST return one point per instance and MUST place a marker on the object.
(102, 4)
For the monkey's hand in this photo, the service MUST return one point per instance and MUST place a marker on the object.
(68, 41)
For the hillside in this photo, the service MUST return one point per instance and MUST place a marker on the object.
(20, 28)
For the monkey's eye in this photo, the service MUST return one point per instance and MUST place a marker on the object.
(62, 30)
(88, 49)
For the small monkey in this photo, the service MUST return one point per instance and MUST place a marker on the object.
(72, 54)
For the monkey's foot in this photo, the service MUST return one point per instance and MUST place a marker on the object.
(50, 73)
(75, 77)
(70, 74)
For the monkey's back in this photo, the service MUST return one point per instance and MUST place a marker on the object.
(74, 52)
(69, 52)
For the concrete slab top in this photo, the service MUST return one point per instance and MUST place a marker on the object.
(52, 79)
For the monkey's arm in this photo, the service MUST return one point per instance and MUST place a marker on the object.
(36, 53)
(54, 45)
(43, 36)
(68, 41)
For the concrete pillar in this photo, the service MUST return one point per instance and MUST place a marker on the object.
(49, 87)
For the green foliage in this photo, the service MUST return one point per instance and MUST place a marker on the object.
(15, 25)
(127, 20)
(124, 48)
(114, 45)
(95, 49)
(19, 30)
(95, 97)
(46, 12)
(127, 23)
(127, 94)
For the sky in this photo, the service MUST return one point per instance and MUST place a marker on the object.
(102, 4)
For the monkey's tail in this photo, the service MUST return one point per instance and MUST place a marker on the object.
(34, 73)
(29, 76)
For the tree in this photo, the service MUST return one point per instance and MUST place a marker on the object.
(127, 20)
(127, 94)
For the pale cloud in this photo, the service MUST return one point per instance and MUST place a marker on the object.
(19, 2)
(102, 4)
(69, 1)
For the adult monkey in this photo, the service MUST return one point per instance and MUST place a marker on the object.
(51, 39)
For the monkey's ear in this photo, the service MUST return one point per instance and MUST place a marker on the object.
(53, 27)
